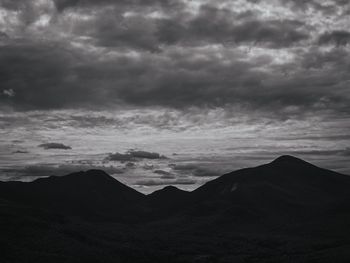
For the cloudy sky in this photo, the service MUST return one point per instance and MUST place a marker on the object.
(162, 92)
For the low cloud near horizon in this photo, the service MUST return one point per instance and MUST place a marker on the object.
(54, 145)
(134, 155)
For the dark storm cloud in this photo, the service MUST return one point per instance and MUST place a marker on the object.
(64, 4)
(211, 25)
(146, 155)
(12, 4)
(133, 32)
(336, 59)
(339, 38)
(173, 57)
(119, 157)
(54, 145)
(41, 75)
(133, 155)
(47, 76)
(269, 33)
(195, 83)
(302, 5)
(273, 33)
(3, 36)
(221, 25)
(20, 151)
(326, 7)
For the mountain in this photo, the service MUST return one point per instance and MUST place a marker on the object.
(88, 194)
(285, 176)
(169, 194)
(287, 210)
(287, 187)
(166, 201)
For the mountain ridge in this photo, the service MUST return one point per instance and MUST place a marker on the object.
(284, 211)
(93, 193)
(285, 182)
(95, 174)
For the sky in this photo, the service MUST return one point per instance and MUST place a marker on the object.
(160, 92)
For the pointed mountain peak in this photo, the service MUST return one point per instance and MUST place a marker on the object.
(82, 177)
(289, 160)
(168, 190)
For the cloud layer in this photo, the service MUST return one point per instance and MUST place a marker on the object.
(262, 55)
(54, 145)
(212, 85)
(134, 155)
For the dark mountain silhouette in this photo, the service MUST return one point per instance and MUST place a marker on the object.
(166, 202)
(169, 194)
(89, 194)
(285, 211)
(276, 189)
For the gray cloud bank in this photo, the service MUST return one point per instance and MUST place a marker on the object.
(54, 145)
(88, 54)
(133, 155)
